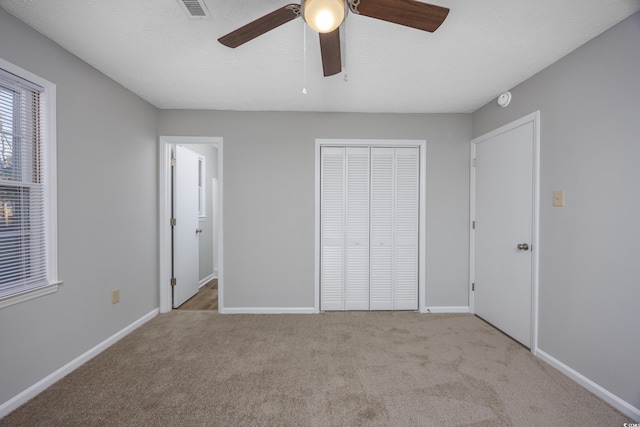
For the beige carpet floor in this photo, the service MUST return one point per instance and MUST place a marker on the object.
(200, 368)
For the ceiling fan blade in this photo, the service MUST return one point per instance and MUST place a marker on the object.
(410, 13)
(261, 25)
(330, 49)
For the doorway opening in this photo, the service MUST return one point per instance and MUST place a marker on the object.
(212, 190)
(205, 300)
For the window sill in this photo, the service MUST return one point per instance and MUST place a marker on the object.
(28, 295)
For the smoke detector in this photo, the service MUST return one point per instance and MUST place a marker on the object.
(504, 99)
(195, 9)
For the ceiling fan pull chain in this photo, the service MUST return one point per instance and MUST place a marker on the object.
(304, 60)
(343, 49)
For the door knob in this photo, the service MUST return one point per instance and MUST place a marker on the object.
(198, 230)
(523, 246)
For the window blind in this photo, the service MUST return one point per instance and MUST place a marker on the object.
(23, 262)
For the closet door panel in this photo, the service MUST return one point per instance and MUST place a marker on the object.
(406, 224)
(332, 229)
(382, 217)
(357, 229)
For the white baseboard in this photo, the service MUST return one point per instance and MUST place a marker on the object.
(267, 310)
(312, 310)
(207, 280)
(604, 394)
(444, 309)
(57, 375)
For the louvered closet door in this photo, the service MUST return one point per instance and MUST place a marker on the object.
(369, 228)
(332, 229)
(394, 228)
(357, 222)
(406, 229)
(382, 183)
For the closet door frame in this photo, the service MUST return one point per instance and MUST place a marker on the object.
(422, 145)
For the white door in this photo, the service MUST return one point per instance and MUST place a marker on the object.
(394, 228)
(332, 204)
(406, 228)
(504, 208)
(185, 232)
(345, 228)
(357, 229)
(382, 195)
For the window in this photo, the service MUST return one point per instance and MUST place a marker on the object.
(27, 180)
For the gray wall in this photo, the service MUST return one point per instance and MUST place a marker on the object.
(589, 252)
(269, 172)
(206, 264)
(107, 215)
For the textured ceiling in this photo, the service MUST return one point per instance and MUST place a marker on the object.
(482, 49)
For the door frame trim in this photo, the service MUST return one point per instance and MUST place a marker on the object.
(422, 219)
(535, 249)
(164, 215)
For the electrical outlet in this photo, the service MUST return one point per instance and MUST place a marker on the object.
(115, 296)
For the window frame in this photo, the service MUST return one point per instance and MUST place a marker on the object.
(49, 177)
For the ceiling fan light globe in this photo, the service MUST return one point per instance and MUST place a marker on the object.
(324, 20)
(323, 16)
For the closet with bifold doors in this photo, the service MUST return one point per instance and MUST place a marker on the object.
(369, 225)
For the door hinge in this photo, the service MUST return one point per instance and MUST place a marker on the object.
(474, 163)
(473, 225)
(473, 286)
(172, 222)
(173, 162)
(173, 281)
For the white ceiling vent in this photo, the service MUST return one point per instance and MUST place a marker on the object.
(195, 9)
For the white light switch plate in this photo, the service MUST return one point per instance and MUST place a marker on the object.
(558, 198)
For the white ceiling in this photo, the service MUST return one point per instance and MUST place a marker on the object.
(482, 49)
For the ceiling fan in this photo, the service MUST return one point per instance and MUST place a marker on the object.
(325, 17)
